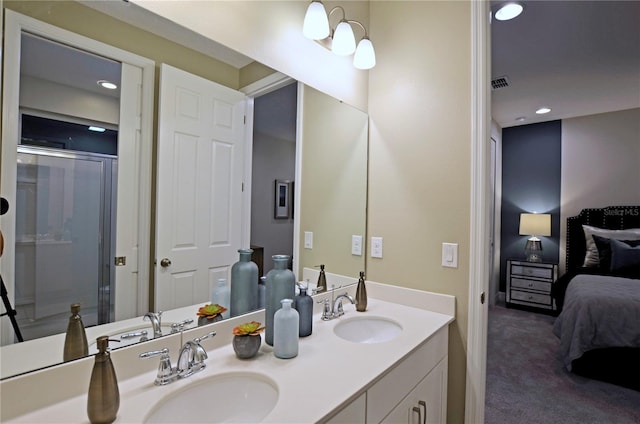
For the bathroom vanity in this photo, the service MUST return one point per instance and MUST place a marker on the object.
(388, 364)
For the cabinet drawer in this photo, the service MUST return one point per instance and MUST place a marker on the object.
(531, 284)
(531, 271)
(531, 297)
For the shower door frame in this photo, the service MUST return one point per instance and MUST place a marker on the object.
(107, 221)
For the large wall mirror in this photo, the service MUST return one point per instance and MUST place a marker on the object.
(321, 155)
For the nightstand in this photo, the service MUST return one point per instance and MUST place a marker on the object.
(529, 284)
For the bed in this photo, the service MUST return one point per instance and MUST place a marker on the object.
(599, 296)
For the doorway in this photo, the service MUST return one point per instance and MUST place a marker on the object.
(46, 94)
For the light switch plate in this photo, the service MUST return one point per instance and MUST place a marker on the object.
(356, 245)
(450, 255)
(376, 247)
(308, 240)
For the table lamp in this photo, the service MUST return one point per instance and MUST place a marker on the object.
(534, 224)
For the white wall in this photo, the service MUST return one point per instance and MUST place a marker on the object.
(600, 164)
(44, 95)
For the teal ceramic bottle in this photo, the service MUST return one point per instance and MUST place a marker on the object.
(285, 331)
(244, 284)
(281, 284)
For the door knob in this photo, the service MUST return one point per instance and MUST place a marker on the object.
(165, 262)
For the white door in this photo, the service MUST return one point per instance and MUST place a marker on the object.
(199, 186)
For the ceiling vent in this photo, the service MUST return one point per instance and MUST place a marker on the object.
(500, 82)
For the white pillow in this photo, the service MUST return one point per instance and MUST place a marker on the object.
(591, 258)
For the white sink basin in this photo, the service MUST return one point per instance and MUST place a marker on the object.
(224, 398)
(367, 329)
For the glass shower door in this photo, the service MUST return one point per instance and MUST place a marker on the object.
(63, 238)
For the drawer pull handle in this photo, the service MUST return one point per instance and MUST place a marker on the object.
(424, 405)
(417, 410)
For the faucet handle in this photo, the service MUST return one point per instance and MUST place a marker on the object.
(179, 326)
(166, 374)
(326, 309)
(206, 336)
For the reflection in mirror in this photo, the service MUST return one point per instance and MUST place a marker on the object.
(321, 208)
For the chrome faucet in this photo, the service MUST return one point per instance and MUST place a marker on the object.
(333, 309)
(191, 360)
(156, 322)
(192, 357)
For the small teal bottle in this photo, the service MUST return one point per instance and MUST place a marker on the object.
(304, 305)
(285, 331)
(244, 284)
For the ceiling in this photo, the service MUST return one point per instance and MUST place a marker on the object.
(576, 57)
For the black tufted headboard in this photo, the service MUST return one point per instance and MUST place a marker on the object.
(611, 217)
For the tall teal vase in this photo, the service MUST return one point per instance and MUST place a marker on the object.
(281, 284)
(244, 285)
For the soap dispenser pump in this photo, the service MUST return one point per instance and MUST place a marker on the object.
(361, 294)
(322, 280)
(75, 341)
(104, 396)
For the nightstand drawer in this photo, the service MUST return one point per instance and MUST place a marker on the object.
(531, 297)
(531, 271)
(530, 284)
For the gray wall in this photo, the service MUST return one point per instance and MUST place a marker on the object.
(274, 158)
(531, 179)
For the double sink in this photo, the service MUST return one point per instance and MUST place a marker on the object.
(251, 396)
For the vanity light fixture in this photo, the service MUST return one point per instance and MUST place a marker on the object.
(107, 84)
(508, 11)
(543, 110)
(340, 40)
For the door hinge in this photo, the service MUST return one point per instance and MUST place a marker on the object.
(120, 260)
(245, 119)
(482, 296)
(243, 186)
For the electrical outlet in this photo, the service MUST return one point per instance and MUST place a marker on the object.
(356, 245)
(376, 247)
(308, 240)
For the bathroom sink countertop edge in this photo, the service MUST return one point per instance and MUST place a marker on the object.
(307, 390)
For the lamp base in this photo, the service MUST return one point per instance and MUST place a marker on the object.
(533, 250)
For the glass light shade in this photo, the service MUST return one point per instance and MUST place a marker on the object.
(365, 57)
(344, 43)
(508, 11)
(316, 22)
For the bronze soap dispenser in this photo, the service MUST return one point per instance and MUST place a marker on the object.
(361, 294)
(75, 341)
(104, 396)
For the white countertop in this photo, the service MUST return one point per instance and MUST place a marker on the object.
(327, 373)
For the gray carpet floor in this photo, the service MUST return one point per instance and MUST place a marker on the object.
(527, 383)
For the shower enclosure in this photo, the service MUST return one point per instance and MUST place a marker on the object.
(65, 224)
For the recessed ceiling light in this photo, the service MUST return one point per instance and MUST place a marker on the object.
(96, 129)
(521, 119)
(543, 110)
(107, 84)
(508, 11)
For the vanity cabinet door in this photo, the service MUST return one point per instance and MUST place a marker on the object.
(426, 403)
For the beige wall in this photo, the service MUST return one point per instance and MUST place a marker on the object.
(334, 177)
(271, 33)
(600, 157)
(419, 160)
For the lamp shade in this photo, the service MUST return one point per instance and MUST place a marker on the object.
(344, 42)
(365, 57)
(535, 224)
(316, 22)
